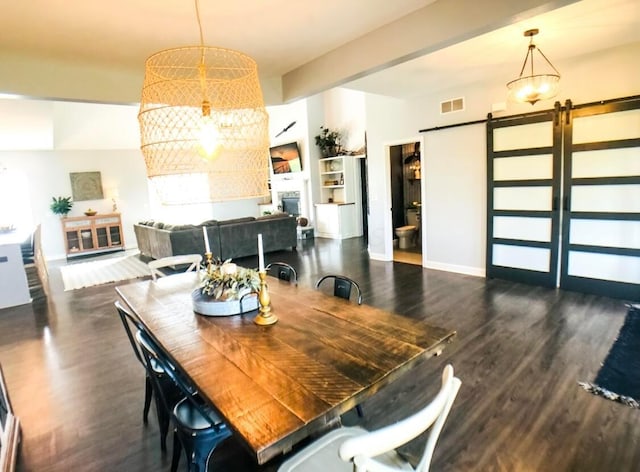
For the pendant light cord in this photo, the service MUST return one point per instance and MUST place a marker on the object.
(206, 105)
(199, 24)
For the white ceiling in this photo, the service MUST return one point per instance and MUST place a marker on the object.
(280, 34)
(283, 35)
(574, 30)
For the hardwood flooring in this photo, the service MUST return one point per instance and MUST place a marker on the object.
(520, 351)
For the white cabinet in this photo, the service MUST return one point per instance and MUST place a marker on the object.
(339, 212)
(337, 221)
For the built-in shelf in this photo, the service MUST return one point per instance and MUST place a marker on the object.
(337, 212)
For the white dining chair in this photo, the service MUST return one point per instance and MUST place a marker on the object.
(356, 449)
(172, 261)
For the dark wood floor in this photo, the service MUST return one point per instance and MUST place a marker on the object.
(520, 351)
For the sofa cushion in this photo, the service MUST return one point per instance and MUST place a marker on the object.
(273, 216)
(209, 223)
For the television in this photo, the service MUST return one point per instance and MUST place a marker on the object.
(285, 158)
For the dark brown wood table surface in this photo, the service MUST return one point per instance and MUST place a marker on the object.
(275, 385)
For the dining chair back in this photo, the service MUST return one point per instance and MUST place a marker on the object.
(283, 271)
(155, 378)
(27, 247)
(193, 260)
(198, 429)
(356, 449)
(342, 286)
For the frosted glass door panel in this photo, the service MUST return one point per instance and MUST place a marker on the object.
(519, 257)
(523, 168)
(606, 163)
(606, 198)
(522, 198)
(605, 267)
(606, 127)
(608, 233)
(523, 136)
(520, 227)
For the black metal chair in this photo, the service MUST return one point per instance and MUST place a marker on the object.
(283, 271)
(27, 247)
(342, 286)
(155, 376)
(198, 429)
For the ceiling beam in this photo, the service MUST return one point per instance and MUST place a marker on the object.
(436, 26)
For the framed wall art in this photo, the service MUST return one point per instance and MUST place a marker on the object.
(86, 186)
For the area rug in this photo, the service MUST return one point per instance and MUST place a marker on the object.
(619, 376)
(88, 274)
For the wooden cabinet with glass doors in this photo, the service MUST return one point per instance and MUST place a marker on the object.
(92, 234)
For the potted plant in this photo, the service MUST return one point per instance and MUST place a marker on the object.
(328, 141)
(61, 205)
(223, 286)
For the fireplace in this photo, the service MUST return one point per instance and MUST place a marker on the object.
(291, 196)
(291, 203)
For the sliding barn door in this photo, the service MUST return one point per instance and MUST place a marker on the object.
(523, 194)
(601, 208)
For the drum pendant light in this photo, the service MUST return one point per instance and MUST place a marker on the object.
(203, 124)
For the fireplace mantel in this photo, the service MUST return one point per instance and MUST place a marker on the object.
(287, 186)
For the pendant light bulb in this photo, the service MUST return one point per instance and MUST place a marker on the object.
(208, 134)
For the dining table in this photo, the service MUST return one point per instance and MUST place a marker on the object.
(276, 385)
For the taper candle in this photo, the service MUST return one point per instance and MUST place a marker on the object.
(207, 248)
(260, 254)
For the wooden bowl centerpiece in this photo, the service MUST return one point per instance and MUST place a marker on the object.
(90, 212)
(226, 289)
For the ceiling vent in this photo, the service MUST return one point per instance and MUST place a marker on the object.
(449, 106)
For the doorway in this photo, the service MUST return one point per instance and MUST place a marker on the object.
(405, 165)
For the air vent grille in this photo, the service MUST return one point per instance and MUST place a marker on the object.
(454, 104)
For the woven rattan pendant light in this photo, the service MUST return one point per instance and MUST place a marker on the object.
(203, 123)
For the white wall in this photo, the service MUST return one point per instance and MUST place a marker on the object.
(454, 207)
(455, 160)
(387, 124)
(52, 139)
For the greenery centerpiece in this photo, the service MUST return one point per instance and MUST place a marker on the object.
(328, 141)
(226, 289)
(61, 205)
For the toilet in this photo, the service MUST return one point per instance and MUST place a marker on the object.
(405, 235)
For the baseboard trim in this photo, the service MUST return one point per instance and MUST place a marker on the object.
(379, 257)
(458, 269)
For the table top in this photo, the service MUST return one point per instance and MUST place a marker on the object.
(275, 385)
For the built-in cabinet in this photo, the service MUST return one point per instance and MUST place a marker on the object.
(92, 234)
(338, 214)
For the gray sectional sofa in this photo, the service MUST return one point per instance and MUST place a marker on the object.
(228, 239)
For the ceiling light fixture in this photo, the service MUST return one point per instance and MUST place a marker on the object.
(534, 87)
(202, 114)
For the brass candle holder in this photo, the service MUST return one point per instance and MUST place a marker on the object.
(209, 261)
(265, 316)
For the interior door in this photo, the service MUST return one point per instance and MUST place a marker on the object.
(601, 211)
(523, 194)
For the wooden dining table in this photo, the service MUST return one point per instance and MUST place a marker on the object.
(275, 385)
